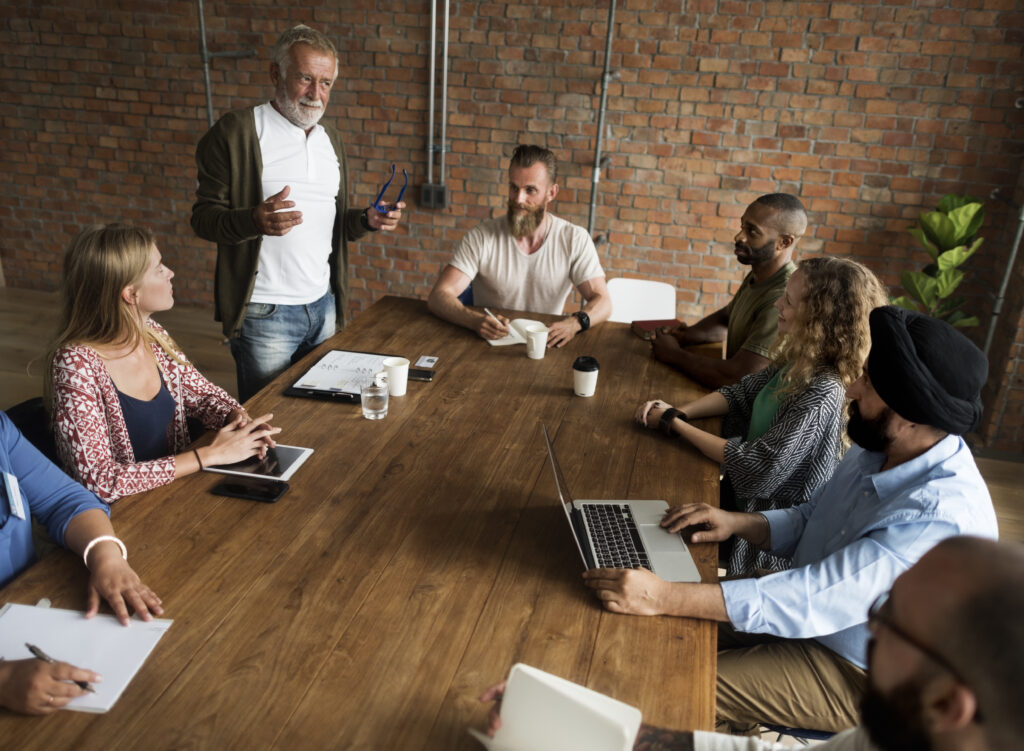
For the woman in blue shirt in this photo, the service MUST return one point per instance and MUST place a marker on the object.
(78, 520)
(785, 423)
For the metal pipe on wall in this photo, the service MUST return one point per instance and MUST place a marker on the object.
(605, 79)
(444, 92)
(1001, 297)
(206, 56)
(435, 195)
(430, 92)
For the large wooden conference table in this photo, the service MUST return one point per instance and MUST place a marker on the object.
(414, 560)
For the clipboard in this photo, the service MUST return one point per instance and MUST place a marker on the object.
(336, 376)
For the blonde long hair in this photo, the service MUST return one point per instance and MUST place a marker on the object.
(831, 325)
(99, 263)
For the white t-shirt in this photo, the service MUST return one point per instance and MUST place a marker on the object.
(293, 268)
(505, 277)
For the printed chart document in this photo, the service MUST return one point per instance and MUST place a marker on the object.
(100, 644)
(516, 332)
(542, 712)
(338, 375)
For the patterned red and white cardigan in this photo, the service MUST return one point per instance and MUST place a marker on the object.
(89, 427)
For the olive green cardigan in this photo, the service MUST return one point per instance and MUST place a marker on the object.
(230, 186)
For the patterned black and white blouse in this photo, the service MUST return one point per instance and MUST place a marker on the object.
(784, 466)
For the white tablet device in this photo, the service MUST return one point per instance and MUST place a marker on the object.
(280, 463)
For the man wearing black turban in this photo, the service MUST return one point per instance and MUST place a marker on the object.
(795, 651)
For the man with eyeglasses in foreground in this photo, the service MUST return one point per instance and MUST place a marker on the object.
(792, 644)
(944, 661)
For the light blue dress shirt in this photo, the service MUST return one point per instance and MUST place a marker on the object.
(46, 493)
(860, 531)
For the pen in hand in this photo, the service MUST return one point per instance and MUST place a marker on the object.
(41, 655)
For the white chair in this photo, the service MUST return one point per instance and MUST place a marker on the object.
(641, 300)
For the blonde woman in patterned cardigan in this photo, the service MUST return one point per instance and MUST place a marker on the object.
(786, 422)
(119, 388)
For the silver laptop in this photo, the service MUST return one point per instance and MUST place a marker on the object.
(623, 534)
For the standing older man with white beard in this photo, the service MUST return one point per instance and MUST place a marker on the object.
(273, 195)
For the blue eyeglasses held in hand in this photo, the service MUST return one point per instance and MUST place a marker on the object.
(384, 208)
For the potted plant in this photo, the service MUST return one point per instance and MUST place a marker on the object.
(950, 236)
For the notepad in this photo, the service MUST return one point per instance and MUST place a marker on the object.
(542, 712)
(100, 644)
(516, 332)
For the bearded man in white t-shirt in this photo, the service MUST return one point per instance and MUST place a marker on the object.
(273, 195)
(527, 260)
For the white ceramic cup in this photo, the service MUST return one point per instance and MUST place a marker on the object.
(398, 375)
(584, 376)
(536, 341)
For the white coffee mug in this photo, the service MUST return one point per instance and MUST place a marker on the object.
(398, 375)
(536, 341)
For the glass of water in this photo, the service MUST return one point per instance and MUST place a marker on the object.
(374, 396)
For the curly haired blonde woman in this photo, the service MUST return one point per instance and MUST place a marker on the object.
(787, 420)
(119, 388)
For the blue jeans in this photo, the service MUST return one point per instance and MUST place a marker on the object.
(274, 337)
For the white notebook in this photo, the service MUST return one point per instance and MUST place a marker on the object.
(516, 332)
(542, 712)
(100, 644)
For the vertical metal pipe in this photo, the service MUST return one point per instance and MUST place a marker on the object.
(433, 81)
(204, 52)
(998, 308)
(444, 93)
(605, 79)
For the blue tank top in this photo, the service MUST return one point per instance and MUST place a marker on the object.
(148, 422)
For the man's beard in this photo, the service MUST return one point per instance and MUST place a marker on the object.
(524, 225)
(894, 720)
(295, 113)
(871, 435)
(750, 256)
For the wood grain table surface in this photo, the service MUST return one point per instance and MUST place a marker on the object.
(414, 560)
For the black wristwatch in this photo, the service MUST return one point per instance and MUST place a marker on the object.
(584, 320)
(364, 220)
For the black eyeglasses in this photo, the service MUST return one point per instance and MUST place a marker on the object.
(878, 613)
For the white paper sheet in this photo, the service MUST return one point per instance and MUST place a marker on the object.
(340, 370)
(100, 644)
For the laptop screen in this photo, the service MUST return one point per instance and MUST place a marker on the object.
(563, 491)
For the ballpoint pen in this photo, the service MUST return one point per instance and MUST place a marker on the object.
(495, 318)
(41, 655)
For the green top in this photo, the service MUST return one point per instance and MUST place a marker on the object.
(753, 320)
(764, 408)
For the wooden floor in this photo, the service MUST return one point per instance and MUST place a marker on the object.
(28, 319)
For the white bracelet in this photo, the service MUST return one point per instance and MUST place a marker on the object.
(104, 538)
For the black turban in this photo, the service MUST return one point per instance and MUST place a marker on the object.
(926, 370)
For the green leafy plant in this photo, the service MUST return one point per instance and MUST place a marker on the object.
(950, 236)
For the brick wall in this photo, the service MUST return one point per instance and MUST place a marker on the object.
(870, 111)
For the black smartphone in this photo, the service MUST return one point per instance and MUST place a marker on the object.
(420, 374)
(264, 491)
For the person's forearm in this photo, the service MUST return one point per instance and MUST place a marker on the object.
(86, 527)
(712, 446)
(447, 306)
(753, 528)
(660, 739)
(713, 328)
(707, 371)
(598, 309)
(692, 600)
(709, 405)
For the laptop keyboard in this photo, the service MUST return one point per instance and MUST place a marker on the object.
(616, 540)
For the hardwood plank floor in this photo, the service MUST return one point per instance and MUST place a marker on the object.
(28, 319)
